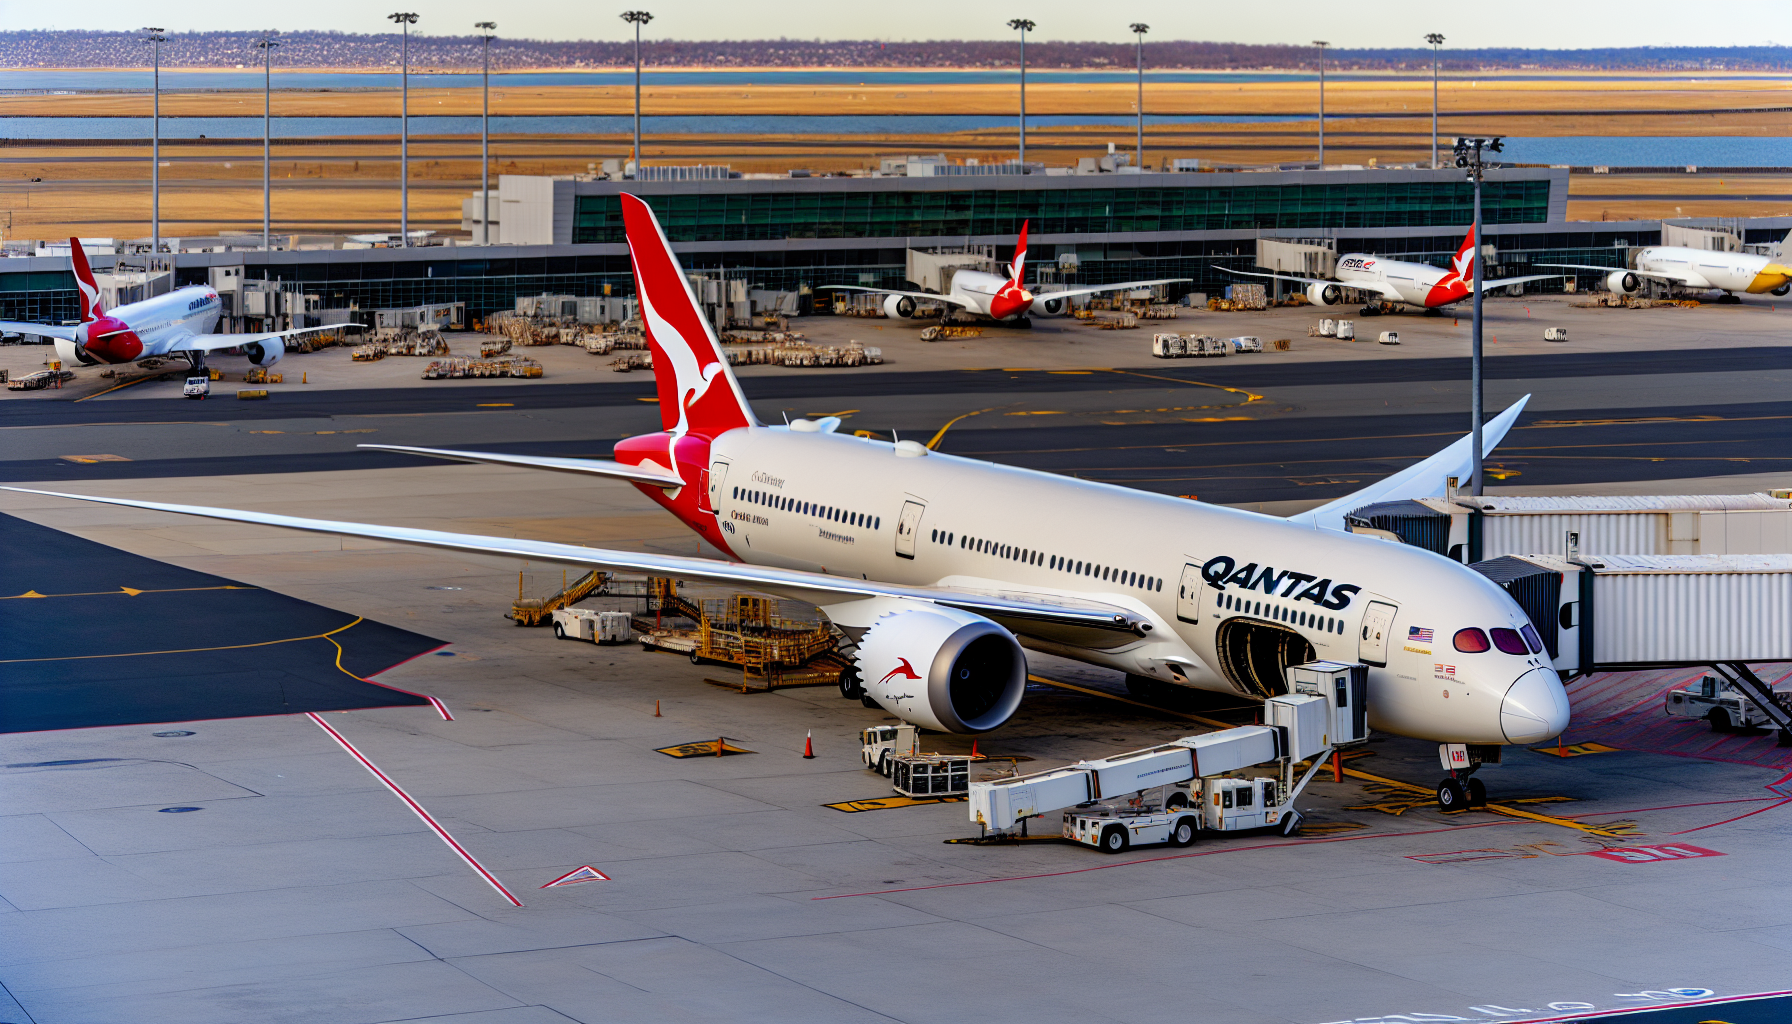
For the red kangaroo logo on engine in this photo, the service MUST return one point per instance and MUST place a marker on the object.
(905, 670)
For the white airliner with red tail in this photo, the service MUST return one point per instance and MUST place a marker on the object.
(1414, 284)
(979, 294)
(179, 323)
(945, 570)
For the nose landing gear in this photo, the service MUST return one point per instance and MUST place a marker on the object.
(1460, 791)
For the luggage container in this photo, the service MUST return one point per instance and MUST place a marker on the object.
(1555, 334)
(1168, 346)
(1328, 328)
(594, 626)
(1389, 338)
(924, 775)
(1246, 344)
(1346, 330)
(1205, 346)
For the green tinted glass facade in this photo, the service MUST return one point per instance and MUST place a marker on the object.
(741, 216)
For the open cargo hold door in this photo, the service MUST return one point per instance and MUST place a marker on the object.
(907, 525)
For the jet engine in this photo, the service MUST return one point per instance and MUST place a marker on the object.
(1046, 305)
(1321, 294)
(266, 352)
(1622, 282)
(943, 669)
(896, 307)
(1782, 290)
(73, 354)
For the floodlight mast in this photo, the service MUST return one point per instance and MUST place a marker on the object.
(155, 38)
(637, 19)
(1468, 158)
(1322, 44)
(1023, 25)
(266, 44)
(404, 20)
(1139, 29)
(1436, 39)
(486, 28)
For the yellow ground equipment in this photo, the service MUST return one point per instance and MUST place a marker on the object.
(539, 611)
(774, 645)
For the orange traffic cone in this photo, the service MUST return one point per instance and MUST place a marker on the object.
(721, 742)
(809, 745)
(974, 753)
(656, 709)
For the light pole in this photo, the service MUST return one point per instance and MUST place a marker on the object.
(266, 44)
(404, 20)
(1322, 44)
(1139, 29)
(155, 39)
(1468, 157)
(1024, 26)
(637, 19)
(486, 28)
(1436, 39)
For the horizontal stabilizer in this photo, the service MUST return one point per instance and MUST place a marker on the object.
(1424, 480)
(589, 467)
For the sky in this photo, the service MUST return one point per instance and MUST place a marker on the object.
(1550, 24)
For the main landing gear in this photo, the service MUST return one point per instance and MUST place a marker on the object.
(1460, 790)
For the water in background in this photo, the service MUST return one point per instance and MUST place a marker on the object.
(1652, 151)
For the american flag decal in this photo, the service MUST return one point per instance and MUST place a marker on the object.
(1419, 634)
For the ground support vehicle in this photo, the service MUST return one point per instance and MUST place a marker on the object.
(538, 611)
(1171, 792)
(1726, 705)
(197, 387)
(595, 626)
(882, 742)
(39, 380)
(929, 775)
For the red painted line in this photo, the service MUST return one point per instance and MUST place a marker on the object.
(1597, 1014)
(1739, 817)
(1173, 856)
(1669, 807)
(443, 708)
(417, 808)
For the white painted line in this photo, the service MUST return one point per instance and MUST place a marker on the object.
(417, 808)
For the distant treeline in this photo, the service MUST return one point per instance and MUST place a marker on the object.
(72, 49)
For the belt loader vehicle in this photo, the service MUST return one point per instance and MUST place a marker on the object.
(1172, 792)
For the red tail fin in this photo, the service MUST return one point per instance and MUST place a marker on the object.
(1020, 256)
(1464, 263)
(90, 289)
(698, 393)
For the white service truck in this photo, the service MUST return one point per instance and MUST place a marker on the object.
(197, 387)
(880, 743)
(595, 626)
(1171, 792)
(1723, 704)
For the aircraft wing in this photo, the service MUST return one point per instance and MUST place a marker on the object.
(1122, 286)
(921, 296)
(213, 342)
(813, 587)
(1685, 279)
(588, 467)
(1487, 283)
(1386, 291)
(41, 330)
(1424, 480)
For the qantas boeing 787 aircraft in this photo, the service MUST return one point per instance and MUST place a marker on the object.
(945, 570)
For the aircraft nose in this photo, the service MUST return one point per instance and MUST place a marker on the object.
(1535, 708)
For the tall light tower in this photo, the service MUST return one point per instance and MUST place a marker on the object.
(1024, 26)
(1322, 44)
(266, 44)
(1468, 157)
(155, 39)
(1139, 29)
(486, 28)
(637, 19)
(1436, 39)
(404, 20)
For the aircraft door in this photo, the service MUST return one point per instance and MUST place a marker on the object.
(715, 478)
(1378, 623)
(908, 524)
(1188, 594)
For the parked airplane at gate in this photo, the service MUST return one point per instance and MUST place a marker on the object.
(1698, 270)
(179, 323)
(943, 569)
(995, 297)
(1415, 284)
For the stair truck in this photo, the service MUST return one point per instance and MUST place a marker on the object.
(1172, 792)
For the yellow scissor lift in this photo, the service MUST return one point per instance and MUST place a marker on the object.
(772, 649)
(539, 611)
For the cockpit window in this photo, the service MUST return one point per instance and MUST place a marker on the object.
(1508, 640)
(1471, 641)
(1529, 632)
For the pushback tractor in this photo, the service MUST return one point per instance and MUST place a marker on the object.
(1172, 792)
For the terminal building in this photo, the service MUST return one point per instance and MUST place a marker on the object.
(565, 236)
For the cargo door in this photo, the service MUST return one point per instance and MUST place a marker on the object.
(1378, 622)
(714, 479)
(908, 524)
(1188, 594)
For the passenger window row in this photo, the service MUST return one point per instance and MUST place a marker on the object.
(808, 508)
(1058, 563)
(1294, 616)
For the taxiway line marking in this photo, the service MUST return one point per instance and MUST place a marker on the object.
(194, 650)
(434, 702)
(116, 387)
(1739, 817)
(1216, 723)
(122, 590)
(416, 808)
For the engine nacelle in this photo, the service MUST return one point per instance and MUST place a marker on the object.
(1782, 290)
(72, 354)
(1321, 294)
(1046, 305)
(1622, 282)
(266, 352)
(897, 307)
(943, 669)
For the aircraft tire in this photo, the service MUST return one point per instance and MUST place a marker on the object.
(1450, 796)
(1477, 793)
